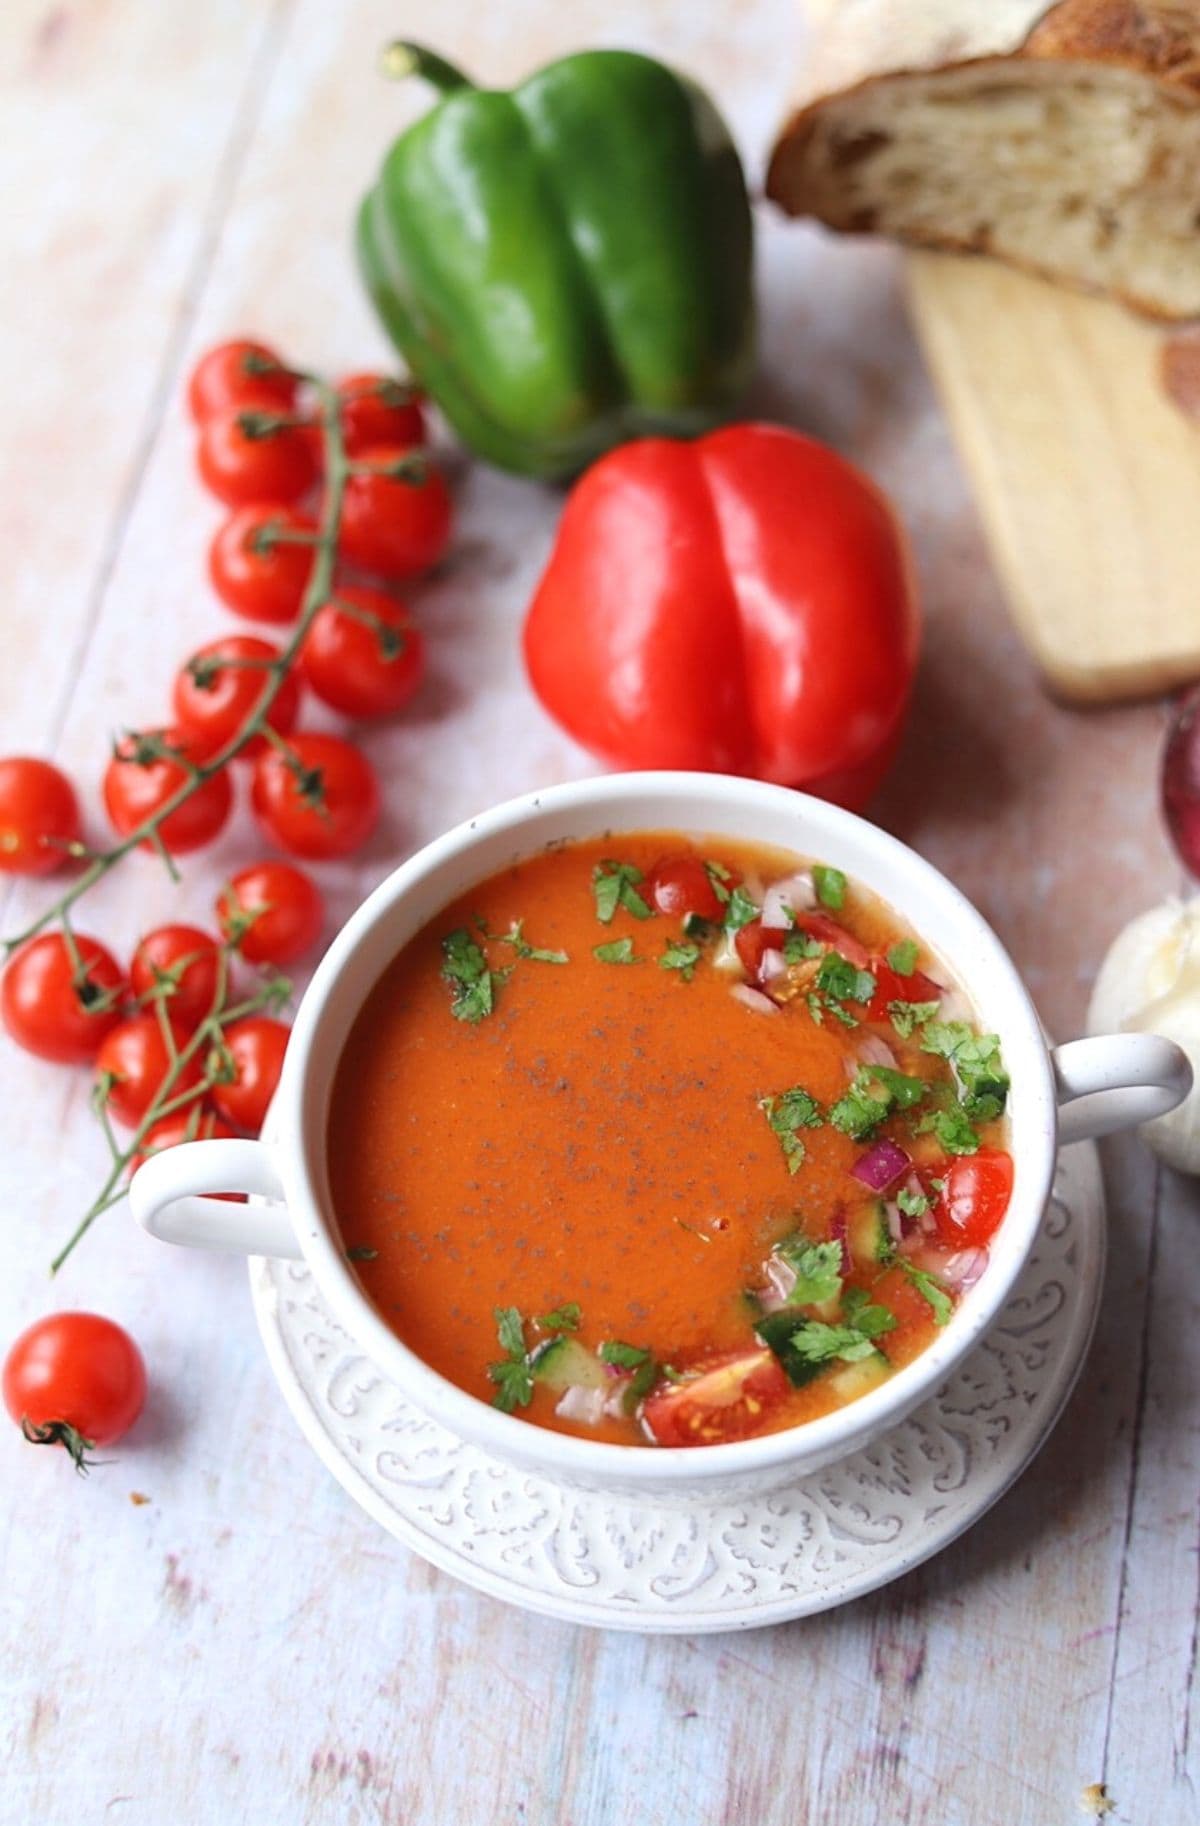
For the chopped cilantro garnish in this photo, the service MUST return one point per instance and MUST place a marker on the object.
(817, 1267)
(620, 951)
(798, 946)
(513, 1377)
(615, 885)
(563, 1318)
(831, 887)
(903, 957)
(912, 1204)
(622, 1356)
(907, 1016)
(874, 1093)
(643, 1380)
(975, 1058)
(939, 1186)
(739, 910)
(682, 957)
(953, 1129)
(930, 1290)
(360, 1253)
(850, 1341)
(465, 966)
(787, 1114)
(535, 953)
(720, 878)
(843, 981)
(816, 1008)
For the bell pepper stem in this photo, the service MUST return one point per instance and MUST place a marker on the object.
(401, 59)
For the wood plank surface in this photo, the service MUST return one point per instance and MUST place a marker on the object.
(1086, 475)
(247, 1645)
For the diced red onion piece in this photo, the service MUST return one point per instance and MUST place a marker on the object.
(771, 966)
(753, 998)
(881, 1165)
(586, 1405)
(895, 1222)
(839, 1233)
(872, 1049)
(962, 1269)
(796, 893)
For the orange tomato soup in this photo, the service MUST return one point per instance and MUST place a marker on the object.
(666, 1141)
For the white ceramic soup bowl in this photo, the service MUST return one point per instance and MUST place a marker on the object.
(1086, 1088)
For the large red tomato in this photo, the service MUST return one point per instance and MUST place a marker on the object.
(742, 603)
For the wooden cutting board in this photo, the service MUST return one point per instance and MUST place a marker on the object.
(1086, 474)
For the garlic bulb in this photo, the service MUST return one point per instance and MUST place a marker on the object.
(1150, 983)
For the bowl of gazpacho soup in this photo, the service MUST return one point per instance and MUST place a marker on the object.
(663, 1131)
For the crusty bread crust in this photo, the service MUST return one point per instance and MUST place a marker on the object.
(864, 50)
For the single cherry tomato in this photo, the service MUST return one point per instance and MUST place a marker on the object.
(682, 885)
(752, 941)
(256, 568)
(173, 1131)
(39, 816)
(56, 1007)
(978, 1188)
(228, 374)
(319, 799)
(365, 662)
(189, 961)
(137, 783)
(76, 1380)
(240, 464)
(272, 911)
(216, 692)
(378, 409)
(732, 1398)
(890, 987)
(136, 1057)
(257, 1046)
(391, 526)
(828, 932)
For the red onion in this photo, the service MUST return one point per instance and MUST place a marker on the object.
(873, 1050)
(772, 965)
(796, 893)
(838, 1233)
(881, 1165)
(586, 1405)
(753, 998)
(895, 1222)
(962, 1269)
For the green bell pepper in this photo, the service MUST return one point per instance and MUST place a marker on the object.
(566, 266)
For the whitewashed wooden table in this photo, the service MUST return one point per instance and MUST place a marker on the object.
(246, 1645)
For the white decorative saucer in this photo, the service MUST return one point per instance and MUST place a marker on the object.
(621, 1563)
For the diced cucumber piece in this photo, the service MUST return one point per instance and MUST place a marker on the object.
(855, 1379)
(869, 1237)
(776, 1332)
(700, 930)
(564, 1363)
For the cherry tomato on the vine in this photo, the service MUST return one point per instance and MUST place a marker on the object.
(378, 409)
(257, 1046)
(136, 1057)
(256, 568)
(227, 375)
(320, 798)
(186, 959)
(272, 911)
(239, 464)
(76, 1380)
(39, 816)
(173, 1131)
(365, 658)
(216, 692)
(137, 783)
(391, 526)
(56, 1008)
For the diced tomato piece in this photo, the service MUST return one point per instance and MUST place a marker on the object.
(732, 1398)
(682, 885)
(890, 986)
(978, 1188)
(913, 1315)
(828, 932)
(754, 939)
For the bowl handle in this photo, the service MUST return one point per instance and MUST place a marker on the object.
(1117, 1081)
(166, 1196)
